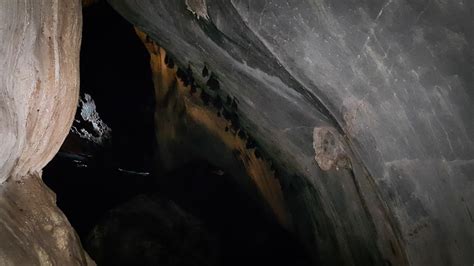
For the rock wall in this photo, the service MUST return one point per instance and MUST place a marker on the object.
(39, 87)
(381, 90)
(39, 81)
(192, 123)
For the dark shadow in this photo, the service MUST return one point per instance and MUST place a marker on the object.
(92, 180)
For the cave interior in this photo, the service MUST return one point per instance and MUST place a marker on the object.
(126, 209)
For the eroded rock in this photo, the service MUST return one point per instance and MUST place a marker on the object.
(329, 149)
(39, 87)
(198, 8)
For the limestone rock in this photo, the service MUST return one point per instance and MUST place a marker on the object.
(39, 85)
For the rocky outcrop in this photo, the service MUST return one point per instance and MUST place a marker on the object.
(39, 86)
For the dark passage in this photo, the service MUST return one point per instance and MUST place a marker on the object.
(126, 214)
(115, 71)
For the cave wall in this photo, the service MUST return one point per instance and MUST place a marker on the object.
(190, 126)
(364, 106)
(39, 88)
(39, 78)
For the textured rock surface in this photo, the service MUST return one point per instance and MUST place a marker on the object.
(329, 149)
(33, 231)
(39, 81)
(394, 78)
(189, 127)
(39, 78)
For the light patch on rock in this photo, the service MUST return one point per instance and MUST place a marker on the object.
(62, 237)
(43, 257)
(329, 149)
(48, 227)
(359, 116)
(89, 114)
(198, 8)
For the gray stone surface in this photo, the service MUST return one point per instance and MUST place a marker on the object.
(393, 78)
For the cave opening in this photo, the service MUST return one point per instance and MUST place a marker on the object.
(125, 209)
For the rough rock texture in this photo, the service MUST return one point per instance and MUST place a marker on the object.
(329, 148)
(189, 127)
(39, 81)
(393, 78)
(39, 84)
(33, 231)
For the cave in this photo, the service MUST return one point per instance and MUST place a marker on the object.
(230, 132)
(114, 197)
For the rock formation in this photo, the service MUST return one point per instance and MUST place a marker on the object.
(39, 87)
(392, 78)
(348, 121)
